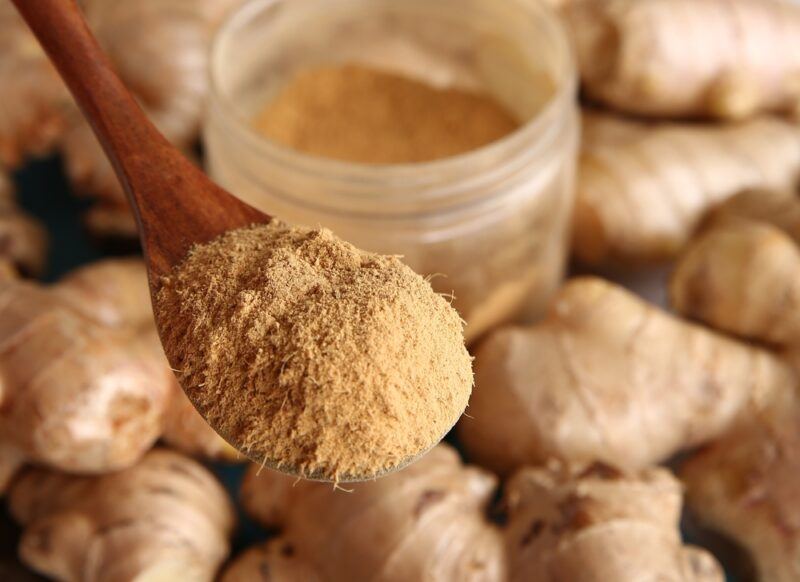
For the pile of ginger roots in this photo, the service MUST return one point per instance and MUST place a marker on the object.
(591, 434)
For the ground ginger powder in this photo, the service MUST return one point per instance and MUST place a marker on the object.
(315, 356)
(357, 114)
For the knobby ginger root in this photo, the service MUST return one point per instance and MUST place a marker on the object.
(598, 525)
(742, 277)
(35, 102)
(75, 395)
(23, 241)
(607, 377)
(164, 519)
(642, 188)
(425, 522)
(116, 294)
(689, 58)
(746, 485)
(84, 385)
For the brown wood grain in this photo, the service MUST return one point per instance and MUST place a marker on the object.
(176, 204)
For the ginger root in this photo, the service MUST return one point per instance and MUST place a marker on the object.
(75, 394)
(116, 294)
(35, 102)
(23, 241)
(164, 519)
(746, 485)
(607, 377)
(84, 384)
(643, 188)
(427, 521)
(599, 524)
(727, 59)
(742, 277)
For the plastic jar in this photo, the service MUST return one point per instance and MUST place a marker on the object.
(489, 227)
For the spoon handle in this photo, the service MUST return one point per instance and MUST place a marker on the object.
(175, 204)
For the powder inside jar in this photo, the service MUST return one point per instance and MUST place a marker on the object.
(357, 114)
(312, 355)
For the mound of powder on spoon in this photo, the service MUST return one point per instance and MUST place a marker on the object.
(311, 355)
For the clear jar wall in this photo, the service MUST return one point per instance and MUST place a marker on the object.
(489, 227)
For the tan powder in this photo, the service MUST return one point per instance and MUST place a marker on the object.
(319, 358)
(357, 114)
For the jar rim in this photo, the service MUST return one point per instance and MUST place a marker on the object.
(522, 140)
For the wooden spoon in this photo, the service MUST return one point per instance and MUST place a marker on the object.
(176, 205)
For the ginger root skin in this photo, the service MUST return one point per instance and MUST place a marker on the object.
(742, 277)
(746, 485)
(599, 524)
(607, 377)
(23, 241)
(644, 188)
(427, 521)
(166, 518)
(689, 58)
